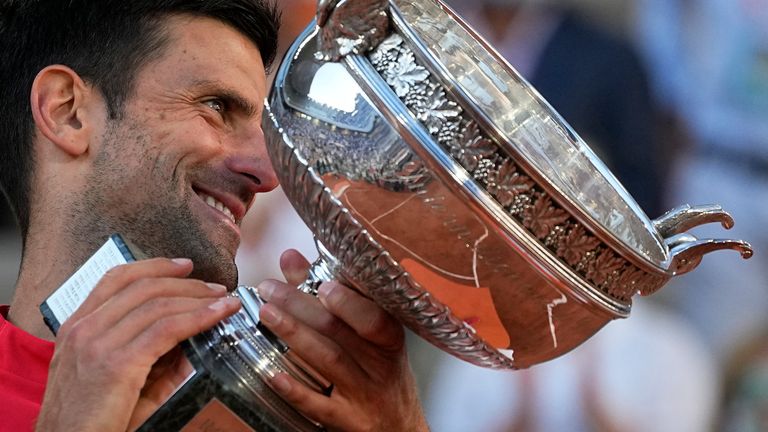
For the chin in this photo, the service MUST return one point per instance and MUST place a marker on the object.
(224, 273)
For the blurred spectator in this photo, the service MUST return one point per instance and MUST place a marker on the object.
(709, 60)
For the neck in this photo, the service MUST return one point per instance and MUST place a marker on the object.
(47, 261)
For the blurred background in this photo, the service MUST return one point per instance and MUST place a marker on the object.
(673, 95)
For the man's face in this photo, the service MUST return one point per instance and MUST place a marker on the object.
(176, 174)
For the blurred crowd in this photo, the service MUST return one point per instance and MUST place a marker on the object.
(673, 95)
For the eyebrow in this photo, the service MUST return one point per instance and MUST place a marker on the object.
(230, 96)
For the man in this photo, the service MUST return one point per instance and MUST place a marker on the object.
(143, 118)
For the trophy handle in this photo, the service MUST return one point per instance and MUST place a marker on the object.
(350, 27)
(324, 10)
(686, 250)
(685, 217)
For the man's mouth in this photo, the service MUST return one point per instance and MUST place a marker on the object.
(218, 205)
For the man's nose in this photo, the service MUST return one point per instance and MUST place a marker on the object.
(251, 160)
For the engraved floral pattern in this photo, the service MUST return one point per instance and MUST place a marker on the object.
(626, 283)
(649, 284)
(435, 111)
(604, 266)
(507, 183)
(502, 178)
(542, 217)
(555, 237)
(387, 51)
(405, 74)
(574, 246)
(471, 146)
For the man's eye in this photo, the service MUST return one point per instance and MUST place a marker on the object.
(216, 105)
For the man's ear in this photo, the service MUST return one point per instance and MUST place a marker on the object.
(62, 107)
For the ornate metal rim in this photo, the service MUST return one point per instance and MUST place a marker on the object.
(441, 73)
(511, 186)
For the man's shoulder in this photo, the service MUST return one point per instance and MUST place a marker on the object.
(22, 354)
(24, 362)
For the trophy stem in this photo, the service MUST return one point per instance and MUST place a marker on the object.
(324, 269)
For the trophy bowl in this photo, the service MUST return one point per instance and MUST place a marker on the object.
(440, 184)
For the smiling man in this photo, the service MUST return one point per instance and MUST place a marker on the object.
(143, 118)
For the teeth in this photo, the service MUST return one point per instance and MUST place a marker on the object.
(213, 202)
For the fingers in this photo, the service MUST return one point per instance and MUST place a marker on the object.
(305, 307)
(342, 308)
(121, 276)
(161, 335)
(323, 354)
(153, 297)
(294, 266)
(145, 333)
(140, 311)
(315, 405)
(105, 352)
(364, 316)
(351, 321)
(353, 343)
(158, 310)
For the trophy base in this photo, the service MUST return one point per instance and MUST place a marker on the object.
(205, 403)
(227, 389)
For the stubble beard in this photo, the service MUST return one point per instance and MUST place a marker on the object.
(147, 207)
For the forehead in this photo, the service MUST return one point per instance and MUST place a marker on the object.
(204, 49)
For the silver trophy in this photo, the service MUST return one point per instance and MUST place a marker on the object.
(439, 183)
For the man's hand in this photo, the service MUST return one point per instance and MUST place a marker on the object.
(101, 376)
(353, 343)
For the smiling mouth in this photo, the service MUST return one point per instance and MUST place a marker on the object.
(218, 205)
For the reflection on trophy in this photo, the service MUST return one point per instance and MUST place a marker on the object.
(440, 184)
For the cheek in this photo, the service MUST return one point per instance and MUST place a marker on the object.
(194, 139)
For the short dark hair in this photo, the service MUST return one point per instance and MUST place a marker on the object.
(106, 42)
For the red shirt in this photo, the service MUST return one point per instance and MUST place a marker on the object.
(24, 361)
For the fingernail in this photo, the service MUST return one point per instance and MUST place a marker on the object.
(270, 316)
(217, 287)
(266, 289)
(224, 303)
(281, 383)
(182, 261)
